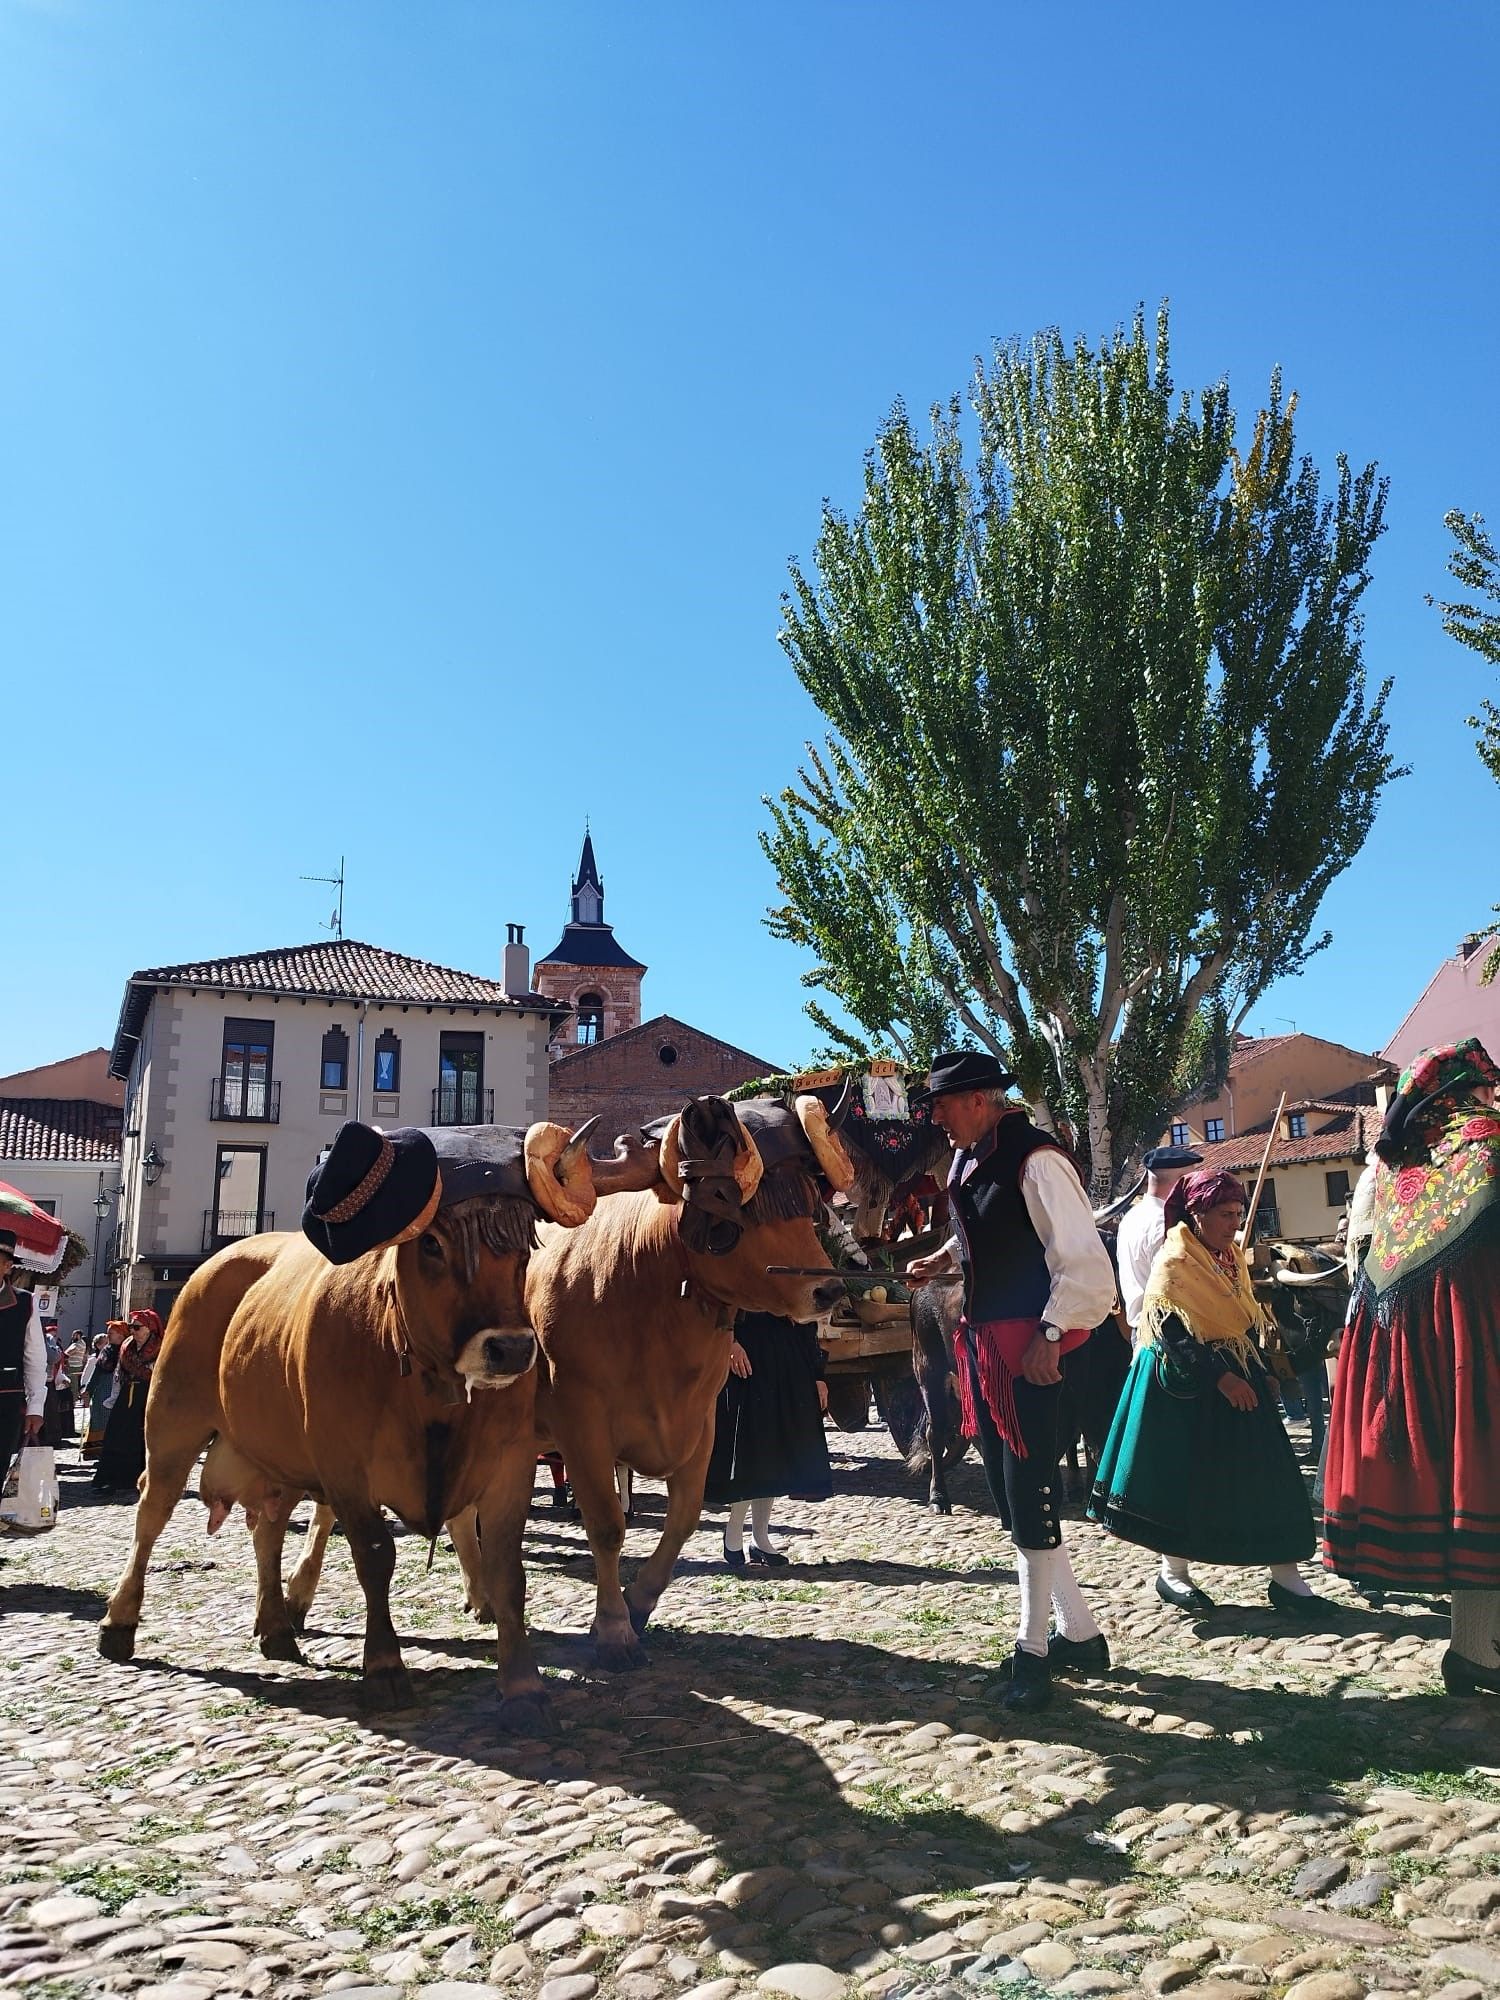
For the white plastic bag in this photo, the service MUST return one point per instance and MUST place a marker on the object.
(34, 1504)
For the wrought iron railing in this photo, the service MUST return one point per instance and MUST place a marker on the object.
(245, 1101)
(228, 1225)
(462, 1104)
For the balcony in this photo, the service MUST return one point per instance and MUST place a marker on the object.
(462, 1104)
(232, 1100)
(228, 1225)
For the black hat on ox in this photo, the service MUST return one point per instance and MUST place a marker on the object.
(963, 1069)
(8, 1241)
(1166, 1159)
(371, 1189)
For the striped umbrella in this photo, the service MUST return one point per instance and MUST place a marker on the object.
(41, 1239)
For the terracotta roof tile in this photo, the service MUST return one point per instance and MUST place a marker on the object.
(1348, 1136)
(331, 969)
(59, 1128)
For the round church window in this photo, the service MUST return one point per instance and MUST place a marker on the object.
(667, 1053)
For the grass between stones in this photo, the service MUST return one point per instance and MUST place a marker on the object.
(113, 1887)
(384, 1923)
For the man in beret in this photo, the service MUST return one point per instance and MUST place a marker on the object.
(23, 1361)
(1144, 1229)
(1037, 1281)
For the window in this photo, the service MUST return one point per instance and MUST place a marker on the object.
(245, 1071)
(387, 1063)
(667, 1054)
(334, 1068)
(1180, 1135)
(460, 1080)
(46, 1203)
(1213, 1131)
(590, 1017)
(1296, 1124)
(1268, 1216)
(239, 1184)
(1338, 1188)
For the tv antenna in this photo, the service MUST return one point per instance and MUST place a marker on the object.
(336, 921)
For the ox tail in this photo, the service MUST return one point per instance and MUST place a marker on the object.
(919, 1451)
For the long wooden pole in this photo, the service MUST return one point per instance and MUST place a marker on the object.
(1260, 1178)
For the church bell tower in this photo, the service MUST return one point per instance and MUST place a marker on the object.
(589, 968)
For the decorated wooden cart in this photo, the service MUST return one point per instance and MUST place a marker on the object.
(900, 1159)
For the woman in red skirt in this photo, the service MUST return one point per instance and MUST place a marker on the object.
(1412, 1495)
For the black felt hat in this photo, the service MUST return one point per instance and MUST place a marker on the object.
(8, 1240)
(1164, 1159)
(963, 1069)
(372, 1188)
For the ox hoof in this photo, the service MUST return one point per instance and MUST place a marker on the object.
(482, 1614)
(616, 1658)
(298, 1614)
(527, 1715)
(281, 1646)
(639, 1619)
(117, 1642)
(937, 1506)
(387, 1687)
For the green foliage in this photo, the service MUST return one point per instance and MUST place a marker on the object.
(1477, 567)
(1100, 733)
(114, 1887)
(382, 1924)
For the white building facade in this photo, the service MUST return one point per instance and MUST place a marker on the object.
(240, 1071)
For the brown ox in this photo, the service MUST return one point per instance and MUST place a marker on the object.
(369, 1385)
(634, 1311)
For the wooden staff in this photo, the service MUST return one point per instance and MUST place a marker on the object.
(1265, 1161)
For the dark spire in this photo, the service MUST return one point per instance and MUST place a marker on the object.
(588, 880)
(588, 939)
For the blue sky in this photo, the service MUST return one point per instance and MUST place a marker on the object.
(408, 414)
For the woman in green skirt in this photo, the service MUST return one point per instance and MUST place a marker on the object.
(1198, 1465)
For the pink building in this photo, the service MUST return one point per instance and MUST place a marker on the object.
(1453, 1005)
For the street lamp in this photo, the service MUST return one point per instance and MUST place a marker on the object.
(101, 1201)
(151, 1166)
(101, 1209)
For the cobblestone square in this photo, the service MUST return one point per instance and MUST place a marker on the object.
(810, 1791)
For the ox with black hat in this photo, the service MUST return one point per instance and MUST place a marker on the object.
(1037, 1281)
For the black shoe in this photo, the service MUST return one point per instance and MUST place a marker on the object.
(1464, 1676)
(1078, 1656)
(1311, 1609)
(1183, 1596)
(768, 1558)
(734, 1557)
(1030, 1683)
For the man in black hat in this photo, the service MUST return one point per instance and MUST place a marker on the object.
(23, 1361)
(1144, 1229)
(1037, 1282)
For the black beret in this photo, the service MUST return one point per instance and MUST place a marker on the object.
(1162, 1159)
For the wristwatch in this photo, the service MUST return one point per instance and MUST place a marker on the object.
(1051, 1334)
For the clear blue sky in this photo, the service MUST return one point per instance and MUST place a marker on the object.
(409, 412)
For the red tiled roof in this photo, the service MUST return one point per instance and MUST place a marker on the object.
(331, 969)
(58, 1128)
(1348, 1136)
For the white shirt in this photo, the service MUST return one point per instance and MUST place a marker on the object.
(34, 1361)
(1083, 1285)
(1142, 1233)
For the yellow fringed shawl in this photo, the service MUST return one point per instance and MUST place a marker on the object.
(1186, 1280)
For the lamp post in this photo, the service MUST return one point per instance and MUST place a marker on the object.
(101, 1209)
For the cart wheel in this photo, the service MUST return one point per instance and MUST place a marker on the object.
(849, 1401)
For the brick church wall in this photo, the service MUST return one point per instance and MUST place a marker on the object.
(627, 1082)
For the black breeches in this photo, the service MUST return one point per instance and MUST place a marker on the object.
(1024, 1490)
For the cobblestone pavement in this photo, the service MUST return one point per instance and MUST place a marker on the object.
(811, 1790)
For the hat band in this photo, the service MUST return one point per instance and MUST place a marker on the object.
(368, 1188)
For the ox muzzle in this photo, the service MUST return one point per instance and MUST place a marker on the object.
(495, 1357)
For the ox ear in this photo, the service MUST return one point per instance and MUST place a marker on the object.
(670, 1157)
(558, 1172)
(634, 1165)
(748, 1164)
(828, 1148)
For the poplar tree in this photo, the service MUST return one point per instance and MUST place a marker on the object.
(1099, 734)
(1473, 561)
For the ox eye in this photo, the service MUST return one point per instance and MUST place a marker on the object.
(430, 1244)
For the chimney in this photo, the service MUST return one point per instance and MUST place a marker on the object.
(515, 975)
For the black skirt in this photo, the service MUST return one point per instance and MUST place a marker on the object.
(122, 1458)
(768, 1429)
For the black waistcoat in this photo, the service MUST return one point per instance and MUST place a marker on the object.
(1005, 1266)
(14, 1320)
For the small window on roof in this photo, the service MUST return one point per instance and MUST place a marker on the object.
(1297, 1124)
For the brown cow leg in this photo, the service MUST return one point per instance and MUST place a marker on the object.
(273, 1618)
(501, 1520)
(386, 1683)
(168, 1463)
(591, 1463)
(684, 1510)
(463, 1532)
(302, 1585)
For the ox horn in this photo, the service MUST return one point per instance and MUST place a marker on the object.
(748, 1164)
(634, 1165)
(828, 1148)
(559, 1174)
(670, 1156)
(839, 1110)
(1119, 1205)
